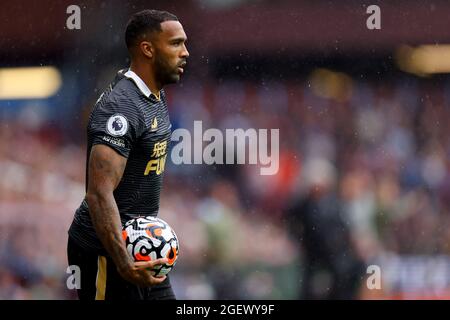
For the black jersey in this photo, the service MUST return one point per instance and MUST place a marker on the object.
(130, 119)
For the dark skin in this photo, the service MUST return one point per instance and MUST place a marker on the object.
(158, 60)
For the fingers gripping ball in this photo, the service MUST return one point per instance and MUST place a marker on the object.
(151, 238)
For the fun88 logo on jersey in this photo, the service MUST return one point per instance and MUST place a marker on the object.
(158, 161)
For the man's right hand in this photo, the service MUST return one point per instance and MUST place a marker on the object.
(140, 273)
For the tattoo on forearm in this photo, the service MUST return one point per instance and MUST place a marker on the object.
(105, 174)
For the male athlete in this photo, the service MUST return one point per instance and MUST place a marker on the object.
(128, 138)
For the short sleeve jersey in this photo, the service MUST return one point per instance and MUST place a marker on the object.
(131, 120)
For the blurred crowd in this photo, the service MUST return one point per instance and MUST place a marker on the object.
(381, 149)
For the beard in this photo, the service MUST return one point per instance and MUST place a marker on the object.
(165, 73)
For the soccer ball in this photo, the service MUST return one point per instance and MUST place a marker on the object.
(150, 238)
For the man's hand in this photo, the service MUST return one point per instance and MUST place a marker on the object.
(140, 274)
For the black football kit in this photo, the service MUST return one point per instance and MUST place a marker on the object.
(134, 122)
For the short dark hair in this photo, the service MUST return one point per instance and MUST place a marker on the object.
(143, 22)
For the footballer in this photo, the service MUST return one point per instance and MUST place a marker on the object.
(128, 139)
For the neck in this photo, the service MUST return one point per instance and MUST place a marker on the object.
(147, 75)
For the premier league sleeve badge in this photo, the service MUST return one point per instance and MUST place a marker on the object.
(117, 125)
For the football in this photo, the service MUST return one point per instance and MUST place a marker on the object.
(150, 238)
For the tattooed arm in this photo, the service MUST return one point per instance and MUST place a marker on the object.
(106, 168)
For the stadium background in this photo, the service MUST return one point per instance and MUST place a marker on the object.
(363, 106)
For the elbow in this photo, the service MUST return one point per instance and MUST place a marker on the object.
(91, 198)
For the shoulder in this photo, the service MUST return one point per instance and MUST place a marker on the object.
(118, 110)
(124, 98)
(125, 92)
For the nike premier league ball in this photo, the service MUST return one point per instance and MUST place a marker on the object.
(150, 238)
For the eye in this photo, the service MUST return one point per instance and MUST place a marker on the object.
(177, 42)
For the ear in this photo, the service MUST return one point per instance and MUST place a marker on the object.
(147, 49)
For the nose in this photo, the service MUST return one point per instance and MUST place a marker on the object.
(184, 52)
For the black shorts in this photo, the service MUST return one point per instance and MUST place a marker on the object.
(101, 281)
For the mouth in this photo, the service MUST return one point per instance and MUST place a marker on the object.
(181, 67)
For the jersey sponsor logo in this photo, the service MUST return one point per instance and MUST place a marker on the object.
(159, 149)
(159, 155)
(117, 125)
